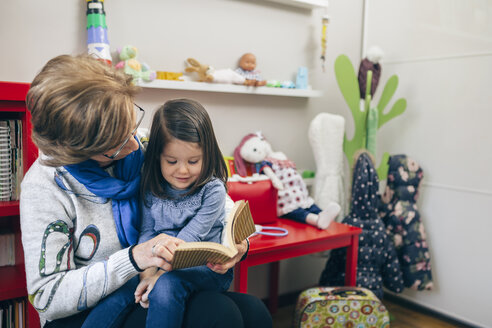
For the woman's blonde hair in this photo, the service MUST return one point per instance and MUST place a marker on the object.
(80, 107)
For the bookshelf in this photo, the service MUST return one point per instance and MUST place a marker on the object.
(13, 278)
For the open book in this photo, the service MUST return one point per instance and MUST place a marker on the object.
(239, 225)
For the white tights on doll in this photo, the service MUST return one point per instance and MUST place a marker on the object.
(325, 217)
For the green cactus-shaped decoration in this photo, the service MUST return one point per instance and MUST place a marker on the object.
(366, 120)
(372, 129)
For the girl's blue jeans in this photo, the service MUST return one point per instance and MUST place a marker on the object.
(168, 298)
(300, 214)
(112, 310)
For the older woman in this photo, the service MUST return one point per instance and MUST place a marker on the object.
(80, 205)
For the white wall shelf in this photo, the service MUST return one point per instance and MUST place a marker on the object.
(229, 88)
(309, 4)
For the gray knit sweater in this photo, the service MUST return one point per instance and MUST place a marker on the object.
(73, 257)
(196, 217)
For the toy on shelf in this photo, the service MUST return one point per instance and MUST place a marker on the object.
(302, 78)
(172, 76)
(207, 73)
(293, 200)
(247, 68)
(97, 31)
(280, 84)
(131, 66)
(368, 120)
(324, 26)
(274, 84)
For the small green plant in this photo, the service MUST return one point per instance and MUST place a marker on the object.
(368, 119)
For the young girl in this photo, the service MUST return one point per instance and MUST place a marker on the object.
(183, 183)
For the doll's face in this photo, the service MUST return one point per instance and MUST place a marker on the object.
(248, 62)
(255, 150)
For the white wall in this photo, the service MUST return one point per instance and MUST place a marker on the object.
(442, 53)
(444, 127)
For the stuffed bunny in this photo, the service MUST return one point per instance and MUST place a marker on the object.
(293, 201)
(207, 73)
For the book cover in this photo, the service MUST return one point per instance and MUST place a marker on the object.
(16, 157)
(7, 248)
(231, 169)
(239, 225)
(5, 162)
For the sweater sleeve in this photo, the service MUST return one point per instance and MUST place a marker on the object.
(211, 210)
(58, 284)
(147, 230)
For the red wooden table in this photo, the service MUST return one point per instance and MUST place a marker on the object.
(302, 239)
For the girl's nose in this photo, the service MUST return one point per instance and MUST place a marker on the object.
(183, 168)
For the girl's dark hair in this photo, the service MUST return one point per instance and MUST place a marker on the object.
(185, 120)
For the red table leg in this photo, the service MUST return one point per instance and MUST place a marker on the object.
(351, 265)
(241, 278)
(273, 296)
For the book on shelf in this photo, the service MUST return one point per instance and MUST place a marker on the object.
(5, 162)
(13, 313)
(239, 225)
(7, 248)
(11, 170)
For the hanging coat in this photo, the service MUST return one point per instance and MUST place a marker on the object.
(400, 214)
(377, 263)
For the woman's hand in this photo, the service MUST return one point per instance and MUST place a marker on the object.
(156, 252)
(222, 268)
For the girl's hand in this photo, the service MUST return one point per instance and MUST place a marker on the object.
(147, 282)
(222, 268)
(156, 252)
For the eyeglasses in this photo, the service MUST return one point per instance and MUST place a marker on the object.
(141, 113)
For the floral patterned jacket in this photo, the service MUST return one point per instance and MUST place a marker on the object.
(399, 212)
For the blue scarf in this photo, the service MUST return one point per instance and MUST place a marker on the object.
(122, 190)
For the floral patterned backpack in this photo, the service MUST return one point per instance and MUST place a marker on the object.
(340, 307)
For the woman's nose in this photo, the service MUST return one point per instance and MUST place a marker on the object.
(133, 144)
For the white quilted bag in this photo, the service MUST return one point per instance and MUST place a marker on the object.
(326, 133)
